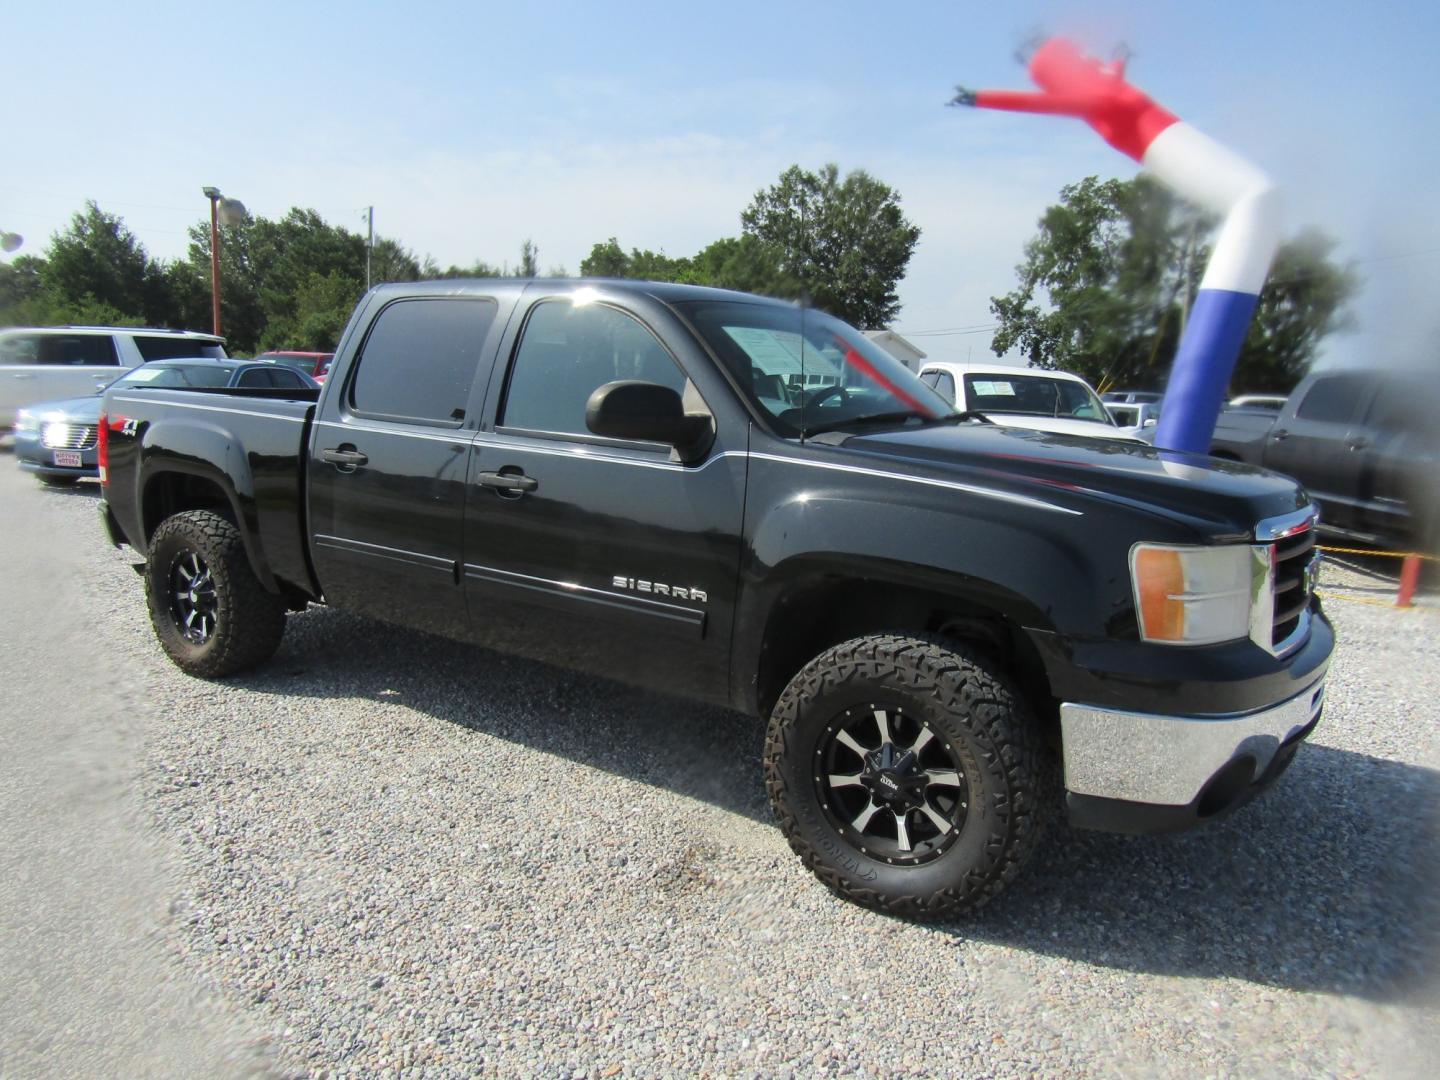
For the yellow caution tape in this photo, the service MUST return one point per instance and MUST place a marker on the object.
(1381, 554)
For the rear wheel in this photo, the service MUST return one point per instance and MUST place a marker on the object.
(908, 774)
(210, 612)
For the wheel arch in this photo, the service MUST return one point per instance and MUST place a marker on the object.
(818, 604)
(174, 488)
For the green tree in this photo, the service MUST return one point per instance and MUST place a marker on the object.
(845, 239)
(242, 315)
(97, 265)
(1107, 281)
(390, 260)
(529, 260)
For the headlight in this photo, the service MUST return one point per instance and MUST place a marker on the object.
(26, 422)
(1196, 595)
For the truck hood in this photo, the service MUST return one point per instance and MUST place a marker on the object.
(1090, 429)
(1219, 499)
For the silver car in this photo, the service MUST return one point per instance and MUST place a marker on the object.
(46, 363)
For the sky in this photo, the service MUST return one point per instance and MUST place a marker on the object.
(471, 127)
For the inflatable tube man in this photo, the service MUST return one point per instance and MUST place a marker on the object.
(1199, 169)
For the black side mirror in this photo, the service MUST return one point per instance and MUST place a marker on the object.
(648, 412)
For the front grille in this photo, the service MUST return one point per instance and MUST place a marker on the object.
(1294, 582)
(69, 436)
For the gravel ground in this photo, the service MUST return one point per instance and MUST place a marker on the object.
(388, 853)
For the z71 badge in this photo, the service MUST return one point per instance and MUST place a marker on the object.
(655, 588)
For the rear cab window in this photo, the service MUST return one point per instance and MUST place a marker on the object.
(419, 360)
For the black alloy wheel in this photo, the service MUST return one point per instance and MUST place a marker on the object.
(193, 603)
(892, 787)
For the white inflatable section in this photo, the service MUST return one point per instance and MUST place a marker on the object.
(1220, 180)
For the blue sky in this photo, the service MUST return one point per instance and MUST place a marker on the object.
(473, 126)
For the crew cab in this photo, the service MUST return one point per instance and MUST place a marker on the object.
(955, 629)
(1365, 443)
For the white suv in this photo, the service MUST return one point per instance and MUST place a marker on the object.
(44, 363)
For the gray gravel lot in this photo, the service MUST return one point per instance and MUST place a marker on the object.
(387, 852)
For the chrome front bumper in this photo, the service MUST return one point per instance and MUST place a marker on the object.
(1169, 760)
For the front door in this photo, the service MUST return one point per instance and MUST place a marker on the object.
(389, 457)
(599, 554)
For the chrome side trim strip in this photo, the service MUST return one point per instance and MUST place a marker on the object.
(1167, 760)
(457, 435)
(569, 590)
(213, 408)
(379, 551)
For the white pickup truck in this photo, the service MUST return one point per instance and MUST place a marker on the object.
(1024, 397)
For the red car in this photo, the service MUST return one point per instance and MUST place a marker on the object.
(314, 364)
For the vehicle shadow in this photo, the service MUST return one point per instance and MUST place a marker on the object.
(85, 489)
(1326, 884)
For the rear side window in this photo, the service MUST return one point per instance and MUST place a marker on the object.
(568, 351)
(62, 350)
(177, 348)
(256, 379)
(1332, 400)
(420, 359)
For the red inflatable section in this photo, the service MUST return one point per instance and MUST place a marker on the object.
(1073, 84)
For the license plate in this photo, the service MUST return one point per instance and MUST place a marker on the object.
(69, 458)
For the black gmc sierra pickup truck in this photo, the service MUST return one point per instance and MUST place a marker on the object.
(954, 628)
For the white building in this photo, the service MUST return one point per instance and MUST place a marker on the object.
(897, 347)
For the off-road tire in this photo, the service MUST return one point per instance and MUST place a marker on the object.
(249, 620)
(963, 696)
(57, 481)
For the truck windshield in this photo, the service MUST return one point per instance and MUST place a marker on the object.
(1034, 395)
(809, 371)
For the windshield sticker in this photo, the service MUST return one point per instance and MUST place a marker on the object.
(777, 352)
(993, 389)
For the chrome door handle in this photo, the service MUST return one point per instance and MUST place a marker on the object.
(345, 457)
(517, 482)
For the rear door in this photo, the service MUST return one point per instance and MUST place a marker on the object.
(389, 457)
(1315, 445)
(601, 554)
(39, 367)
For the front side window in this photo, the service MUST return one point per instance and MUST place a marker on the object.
(1332, 400)
(809, 371)
(419, 360)
(945, 385)
(1034, 395)
(567, 351)
(256, 379)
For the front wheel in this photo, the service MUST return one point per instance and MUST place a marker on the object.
(908, 774)
(209, 610)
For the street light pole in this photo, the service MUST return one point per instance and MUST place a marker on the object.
(213, 194)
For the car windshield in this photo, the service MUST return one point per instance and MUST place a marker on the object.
(162, 375)
(307, 364)
(1033, 395)
(811, 372)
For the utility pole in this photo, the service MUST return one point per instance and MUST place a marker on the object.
(213, 194)
(369, 243)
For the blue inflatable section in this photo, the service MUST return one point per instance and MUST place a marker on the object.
(1203, 365)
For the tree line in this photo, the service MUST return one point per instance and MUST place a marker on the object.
(292, 283)
(1104, 288)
